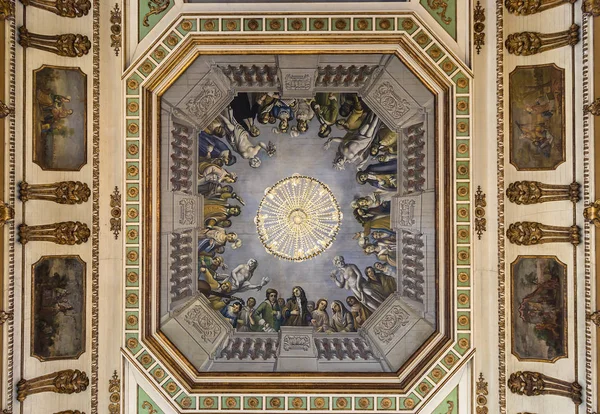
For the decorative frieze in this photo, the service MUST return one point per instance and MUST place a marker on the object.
(63, 8)
(527, 233)
(115, 29)
(527, 7)
(68, 44)
(531, 43)
(62, 192)
(531, 383)
(534, 192)
(65, 233)
(68, 381)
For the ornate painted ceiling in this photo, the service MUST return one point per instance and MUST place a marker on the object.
(319, 206)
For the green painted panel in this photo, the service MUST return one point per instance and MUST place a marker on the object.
(444, 12)
(150, 13)
(145, 403)
(449, 405)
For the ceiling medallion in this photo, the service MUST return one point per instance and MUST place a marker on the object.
(298, 218)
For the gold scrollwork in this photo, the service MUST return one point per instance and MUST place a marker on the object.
(531, 43)
(440, 4)
(482, 392)
(5, 110)
(591, 7)
(63, 8)
(64, 233)
(68, 381)
(68, 44)
(156, 7)
(592, 213)
(5, 316)
(594, 318)
(7, 10)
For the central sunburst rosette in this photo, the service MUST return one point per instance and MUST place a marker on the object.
(298, 218)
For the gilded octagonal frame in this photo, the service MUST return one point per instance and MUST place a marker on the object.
(403, 34)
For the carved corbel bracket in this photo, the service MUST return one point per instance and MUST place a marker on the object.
(62, 192)
(592, 213)
(7, 213)
(65, 233)
(5, 316)
(63, 8)
(531, 383)
(534, 192)
(527, 233)
(531, 43)
(528, 7)
(7, 10)
(68, 381)
(5, 110)
(593, 108)
(591, 7)
(68, 44)
(594, 317)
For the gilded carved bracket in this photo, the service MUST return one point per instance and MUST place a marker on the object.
(592, 213)
(62, 192)
(534, 192)
(68, 44)
(68, 381)
(7, 213)
(531, 383)
(528, 7)
(63, 8)
(531, 43)
(527, 233)
(65, 233)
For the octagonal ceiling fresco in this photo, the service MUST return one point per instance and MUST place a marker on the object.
(289, 206)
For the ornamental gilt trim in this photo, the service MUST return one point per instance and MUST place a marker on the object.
(114, 387)
(531, 383)
(115, 212)
(480, 221)
(531, 43)
(5, 110)
(528, 7)
(534, 192)
(479, 27)
(7, 10)
(68, 45)
(64, 233)
(63, 8)
(70, 412)
(439, 4)
(482, 392)
(594, 318)
(5, 316)
(62, 192)
(115, 29)
(527, 233)
(7, 213)
(68, 381)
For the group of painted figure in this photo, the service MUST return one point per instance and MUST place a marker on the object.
(275, 312)
(367, 143)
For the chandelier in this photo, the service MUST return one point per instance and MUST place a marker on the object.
(298, 218)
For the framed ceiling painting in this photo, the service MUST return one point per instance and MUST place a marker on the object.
(298, 225)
